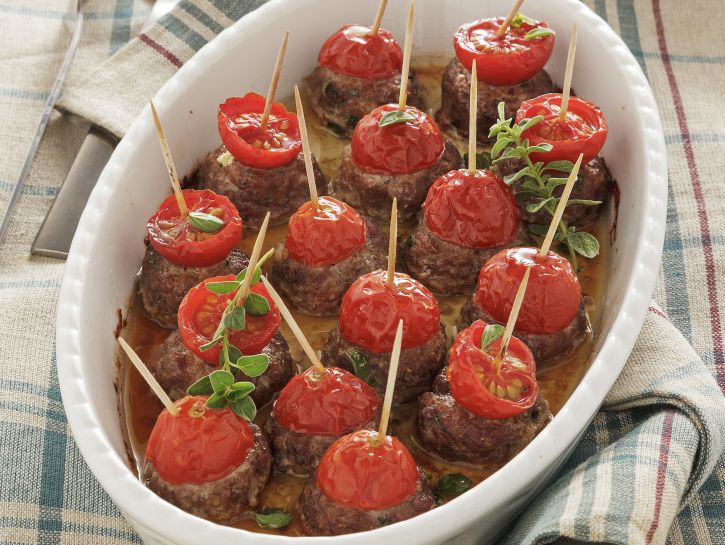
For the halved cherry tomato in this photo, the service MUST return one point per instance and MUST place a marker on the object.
(240, 126)
(354, 51)
(399, 148)
(331, 403)
(199, 444)
(584, 130)
(507, 60)
(474, 211)
(553, 295)
(482, 387)
(175, 239)
(201, 310)
(359, 473)
(324, 235)
(371, 310)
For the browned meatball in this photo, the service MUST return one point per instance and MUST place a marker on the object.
(456, 88)
(323, 516)
(456, 434)
(255, 191)
(340, 101)
(373, 193)
(224, 500)
(162, 285)
(176, 368)
(318, 291)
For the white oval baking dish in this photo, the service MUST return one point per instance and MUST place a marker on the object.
(108, 248)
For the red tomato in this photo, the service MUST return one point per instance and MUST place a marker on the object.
(472, 211)
(399, 148)
(354, 51)
(367, 476)
(199, 444)
(201, 310)
(332, 403)
(174, 238)
(240, 126)
(507, 60)
(370, 312)
(584, 131)
(325, 235)
(480, 387)
(553, 295)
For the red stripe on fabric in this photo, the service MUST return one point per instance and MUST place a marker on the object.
(661, 471)
(156, 46)
(658, 312)
(715, 324)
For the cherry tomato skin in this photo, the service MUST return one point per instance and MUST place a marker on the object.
(176, 240)
(399, 148)
(553, 295)
(473, 376)
(354, 51)
(332, 403)
(584, 131)
(201, 310)
(324, 235)
(473, 211)
(507, 60)
(240, 127)
(371, 310)
(200, 444)
(366, 476)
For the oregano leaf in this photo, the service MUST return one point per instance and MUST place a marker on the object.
(223, 288)
(220, 379)
(236, 319)
(201, 387)
(256, 305)
(490, 334)
(273, 517)
(245, 408)
(453, 484)
(538, 33)
(254, 365)
(359, 362)
(395, 117)
(205, 222)
(583, 243)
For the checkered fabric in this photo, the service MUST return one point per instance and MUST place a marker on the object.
(647, 470)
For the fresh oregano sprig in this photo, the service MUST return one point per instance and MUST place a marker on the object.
(539, 182)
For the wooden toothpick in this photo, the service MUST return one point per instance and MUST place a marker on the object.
(275, 80)
(148, 377)
(393, 243)
(567, 75)
(472, 112)
(175, 185)
(307, 154)
(509, 18)
(390, 387)
(559, 212)
(378, 17)
(253, 259)
(406, 58)
(292, 323)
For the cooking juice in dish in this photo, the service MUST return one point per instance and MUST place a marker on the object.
(139, 407)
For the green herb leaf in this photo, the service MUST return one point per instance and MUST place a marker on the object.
(394, 117)
(520, 19)
(210, 344)
(223, 288)
(559, 166)
(453, 484)
(245, 408)
(201, 387)
(538, 33)
(511, 178)
(483, 160)
(499, 146)
(243, 387)
(253, 366)
(539, 230)
(235, 320)
(492, 333)
(540, 148)
(256, 305)
(216, 401)
(526, 124)
(219, 380)
(273, 517)
(583, 243)
(585, 202)
(501, 109)
(359, 363)
(205, 222)
(255, 278)
(233, 352)
(533, 208)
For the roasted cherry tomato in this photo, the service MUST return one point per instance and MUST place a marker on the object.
(474, 211)
(174, 238)
(201, 310)
(507, 60)
(240, 126)
(354, 51)
(553, 295)
(199, 444)
(357, 472)
(584, 130)
(485, 388)
(324, 235)
(331, 403)
(398, 148)
(371, 310)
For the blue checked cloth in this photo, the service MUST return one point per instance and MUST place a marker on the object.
(649, 469)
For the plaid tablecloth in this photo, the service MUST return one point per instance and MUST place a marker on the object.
(641, 473)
